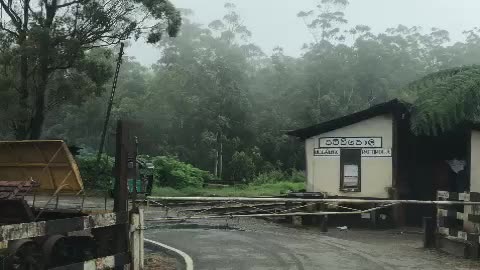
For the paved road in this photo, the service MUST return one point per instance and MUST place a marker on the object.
(276, 247)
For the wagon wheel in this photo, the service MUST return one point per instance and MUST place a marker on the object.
(55, 251)
(24, 255)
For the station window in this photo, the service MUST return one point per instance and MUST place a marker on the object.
(350, 170)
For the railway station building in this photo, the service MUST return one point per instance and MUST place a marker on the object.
(373, 154)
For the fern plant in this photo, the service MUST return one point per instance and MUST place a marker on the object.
(445, 99)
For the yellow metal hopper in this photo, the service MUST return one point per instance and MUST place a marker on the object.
(50, 163)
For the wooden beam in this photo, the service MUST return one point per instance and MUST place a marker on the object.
(105, 263)
(43, 228)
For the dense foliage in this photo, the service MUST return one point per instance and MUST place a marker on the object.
(96, 176)
(279, 176)
(47, 56)
(217, 101)
(169, 172)
(445, 99)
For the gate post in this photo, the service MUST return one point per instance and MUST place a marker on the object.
(473, 238)
(428, 232)
(136, 240)
(324, 224)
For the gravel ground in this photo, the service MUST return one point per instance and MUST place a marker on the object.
(156, 261)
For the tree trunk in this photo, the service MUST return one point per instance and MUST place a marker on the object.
(21, 129)
(220, 169)
(215, 169)
(38, 117)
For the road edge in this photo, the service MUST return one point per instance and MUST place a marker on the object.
(182, 257)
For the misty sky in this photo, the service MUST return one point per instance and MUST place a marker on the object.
(274, 22)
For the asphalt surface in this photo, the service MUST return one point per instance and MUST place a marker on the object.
(256, 244)
(249, 243)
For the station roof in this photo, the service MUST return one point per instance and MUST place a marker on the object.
(391, 106)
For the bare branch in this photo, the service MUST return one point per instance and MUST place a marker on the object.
(8, 30)
(13, 16)
(68, 4)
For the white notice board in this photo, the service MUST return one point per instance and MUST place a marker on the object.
(376, 152)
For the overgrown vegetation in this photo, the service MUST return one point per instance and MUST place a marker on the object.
(50, 51)
(445, 99)
(95, 175)
(169, 172)
(250, 190)
(175, 178)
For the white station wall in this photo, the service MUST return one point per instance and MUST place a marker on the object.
(474, 161)
(323, 172)
(469, 226)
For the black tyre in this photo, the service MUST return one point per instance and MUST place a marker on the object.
(24, 255)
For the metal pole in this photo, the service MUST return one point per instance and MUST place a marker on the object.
(110, 104)
(121, 160)
(120, 204)
(244, 199)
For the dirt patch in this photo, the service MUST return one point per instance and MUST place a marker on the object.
(159, 262)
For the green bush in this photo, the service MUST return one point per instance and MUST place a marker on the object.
(242, 167)
(169, 172)
(274, 176)
(277, 176)
(251, 190)
(297, 177)
(96, 176)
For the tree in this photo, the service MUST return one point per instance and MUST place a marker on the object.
(211, 100)
(204, 97)
(445, 99)
(242, 167)
(52, 37)
(64, 120)
(324, 25)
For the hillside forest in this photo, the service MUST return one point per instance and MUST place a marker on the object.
(216, 101)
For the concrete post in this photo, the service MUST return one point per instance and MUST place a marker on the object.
(473, 238)
(324, 224)
(134, 241)
(428, 232)
(373, 218)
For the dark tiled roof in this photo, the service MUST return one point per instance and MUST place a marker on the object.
(383, 108)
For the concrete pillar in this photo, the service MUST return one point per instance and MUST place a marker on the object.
(428, 232)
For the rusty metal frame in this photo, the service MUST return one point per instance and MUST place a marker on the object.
(117, 221)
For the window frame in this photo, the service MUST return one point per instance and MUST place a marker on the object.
(350, 156)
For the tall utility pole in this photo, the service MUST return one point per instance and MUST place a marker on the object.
(110, 104)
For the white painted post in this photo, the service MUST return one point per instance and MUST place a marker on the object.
(134, 241)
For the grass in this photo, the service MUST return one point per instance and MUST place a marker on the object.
(270, 189)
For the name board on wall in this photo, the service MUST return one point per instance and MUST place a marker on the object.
(326, 152)
(351, 142)
(376, 152)
(334, 152)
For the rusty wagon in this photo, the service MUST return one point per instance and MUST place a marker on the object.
(37, 233)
